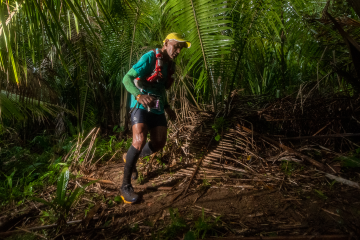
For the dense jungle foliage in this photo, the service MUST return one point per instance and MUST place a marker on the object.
(62, 64)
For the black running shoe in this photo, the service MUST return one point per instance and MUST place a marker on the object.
(134, 174)
(128, 195)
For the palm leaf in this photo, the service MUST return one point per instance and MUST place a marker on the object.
(203, 22)
(74, 197)
(62, 186)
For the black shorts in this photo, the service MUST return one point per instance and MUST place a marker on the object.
(150, 119)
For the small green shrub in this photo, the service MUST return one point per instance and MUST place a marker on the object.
(350, 161)
(62, 203)
(288, 167)
(205, 226)
(219, 125)
(320, 194)
(22, 183)
(176, 226)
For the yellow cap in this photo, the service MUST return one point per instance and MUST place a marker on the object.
(177, 37)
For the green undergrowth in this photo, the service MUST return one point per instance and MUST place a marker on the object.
(220, 124)
(25, 173)
(288, 167)
(199, 229)
(108, 146)
(64, 199)
(350, 161)
(28, 169)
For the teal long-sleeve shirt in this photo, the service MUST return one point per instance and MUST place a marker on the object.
(143, 69)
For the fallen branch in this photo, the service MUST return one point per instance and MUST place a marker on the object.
(97, 180)
(9, 233)
(233, 186)
(191, 179)
(154, 188)
(211, 162)
(330, 212)
(8, 221)
(193, 176)
(91, 214)
(342, 180)
(195, 171)
(323, 136)
(36, 234)
(290, 150)
(310, 237)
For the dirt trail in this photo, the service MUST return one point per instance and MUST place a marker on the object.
(254, 178)
(247, 206)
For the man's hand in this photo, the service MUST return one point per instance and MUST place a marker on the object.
(146, 100)
(171, 113)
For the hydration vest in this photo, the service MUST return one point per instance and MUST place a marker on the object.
(156, 76)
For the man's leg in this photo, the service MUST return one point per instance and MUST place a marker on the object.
(158, 132)
(147, 150)
(140, 131)
(157, 141)
(158, 137)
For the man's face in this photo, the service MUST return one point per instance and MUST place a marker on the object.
(173, 48)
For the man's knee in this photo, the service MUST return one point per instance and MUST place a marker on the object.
(139, 141)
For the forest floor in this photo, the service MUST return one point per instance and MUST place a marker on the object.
(285, 202)
(219, 177)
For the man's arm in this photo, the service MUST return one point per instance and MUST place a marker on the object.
(128, 82)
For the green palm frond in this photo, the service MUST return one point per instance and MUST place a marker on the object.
(75, 53)
(12, 106)
(205, 24)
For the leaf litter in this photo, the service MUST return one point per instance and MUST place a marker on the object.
(286, 168)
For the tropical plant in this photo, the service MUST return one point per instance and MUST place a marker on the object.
(24, 173)
(205, 24)
(204, 226)
(8, 186)
(62, 203)
(177, 225)
(64, 61)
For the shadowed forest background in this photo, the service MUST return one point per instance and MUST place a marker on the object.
(284, 69)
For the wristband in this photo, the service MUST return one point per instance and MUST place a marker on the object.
(137, 97)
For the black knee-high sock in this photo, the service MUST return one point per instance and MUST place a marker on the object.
(131, 159)
(147, 150)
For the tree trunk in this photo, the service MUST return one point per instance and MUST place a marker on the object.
(112, 108)
(84, 104)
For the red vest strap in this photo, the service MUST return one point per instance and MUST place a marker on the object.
(157, 75)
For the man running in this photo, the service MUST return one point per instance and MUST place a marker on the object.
(147, 81)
